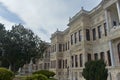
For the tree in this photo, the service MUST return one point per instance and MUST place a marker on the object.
(19, 46)
(3, 35)
(95, 70)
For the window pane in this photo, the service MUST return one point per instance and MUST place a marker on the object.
(72, 39)
(105, 29)
(80, 36)
(75, 37)
(99, 31)
(81, 60)
(94, 34)
(87, 34)
(96, 56)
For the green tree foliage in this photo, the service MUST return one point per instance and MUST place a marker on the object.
(95, 70)
(18, 46)
(6, 74)
(3, 36)
(46, 73)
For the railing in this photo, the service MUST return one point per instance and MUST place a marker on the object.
(115, 28)
(114, 32)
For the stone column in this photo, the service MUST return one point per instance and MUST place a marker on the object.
(106, 20)
(111, 53)
(118, 9)
(70, 67)
(110, 42)
(84, 59)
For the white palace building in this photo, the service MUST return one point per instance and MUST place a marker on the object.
(90, 35)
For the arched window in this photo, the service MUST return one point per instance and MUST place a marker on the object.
(118, 51)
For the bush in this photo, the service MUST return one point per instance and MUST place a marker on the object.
(46, 73)
(39, 77)
(52, 79)
(29, 78)
(6, 74)
(95, 70)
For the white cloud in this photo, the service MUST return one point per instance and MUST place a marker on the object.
(47, 14)
(6, 23)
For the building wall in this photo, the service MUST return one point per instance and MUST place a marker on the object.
(71, 48)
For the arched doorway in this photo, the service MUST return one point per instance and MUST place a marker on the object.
(118, 47)
(118, 76)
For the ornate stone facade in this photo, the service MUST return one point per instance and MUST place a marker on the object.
(91, 35)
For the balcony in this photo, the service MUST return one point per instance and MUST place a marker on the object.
(114, 32)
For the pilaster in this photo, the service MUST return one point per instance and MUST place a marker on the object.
(106, 20)
(118, 9)
(110, 42)
(111, 53)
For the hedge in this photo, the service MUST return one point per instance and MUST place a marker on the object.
(46, 73)
(6, 74)
(36, 77)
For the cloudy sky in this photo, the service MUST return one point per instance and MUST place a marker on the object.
(42, 16)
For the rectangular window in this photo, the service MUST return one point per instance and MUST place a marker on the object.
(72, 39)
(75, 37)
(60, 47)
(94, 34)
(89, 57)
(55, 47)
(48, 65)
(51, 49)
(45, 66)
(105, 29)
(99, 31)
(96, 56)
(68, 45)
(109, 58)
(66, 63)
(87, 34)
(63, 47)
(114, 23)
(76, 61)
(81, 64)
(51, 64)
(54, 64)
(59, 64)
(72, 60)
(80, 36)
(63, 64)
(102, 56)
